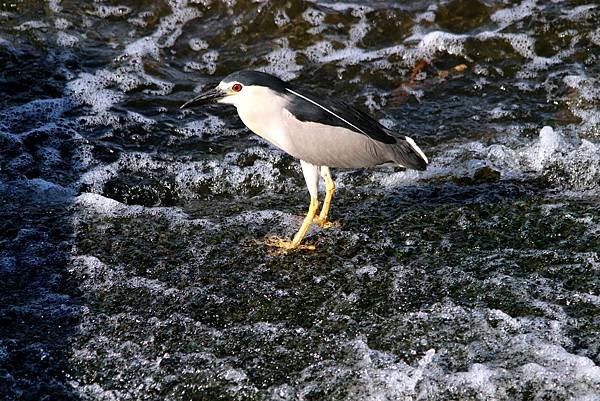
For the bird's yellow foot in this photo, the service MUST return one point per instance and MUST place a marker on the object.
(286, 245)
(324, 223)
(295, 243)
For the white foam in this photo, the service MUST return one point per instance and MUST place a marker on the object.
(94, 179)
(54, 5)
(249, 218)
(101, 204)
(583, 101)
(588, 88)
(140, 19)
(479, 378)
(569, 163)
(208, 64)
(66, 40)
(104, 11)
(359, 30)
(367, 374)
(61, 23)
(281, 18)
(141, 48)
(230, 176)
(210, 125)
(521, 42)
(90, 90)
(197, 44)
(549, 143)
(316, 18)
(430, 44)
(282, 62)
(388, 123)
(551, 363)
(320, 51)
(356, 9)
(594, 36)
(171, 26)
(498, 112)
(94, 275)
(427, 16)
(107, 207)
(226, 177)
(31, 25)
(369, 270)
(580, 12)
(509, 15)
(324, 51)
(371, 103)
(36, 111)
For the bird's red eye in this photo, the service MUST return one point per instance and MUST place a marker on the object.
(236, 87)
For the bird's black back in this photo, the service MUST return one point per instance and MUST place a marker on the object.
(336, 113)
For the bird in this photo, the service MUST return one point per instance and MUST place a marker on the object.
(322, 133)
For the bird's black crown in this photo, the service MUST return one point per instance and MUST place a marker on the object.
(248, 77)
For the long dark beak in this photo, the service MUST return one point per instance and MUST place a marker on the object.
(210, 96)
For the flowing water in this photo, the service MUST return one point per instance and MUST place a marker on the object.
(131, 263)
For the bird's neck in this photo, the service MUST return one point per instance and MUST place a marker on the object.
(265, 117)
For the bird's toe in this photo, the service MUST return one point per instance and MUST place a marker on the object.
(324, 223)
(286, 245)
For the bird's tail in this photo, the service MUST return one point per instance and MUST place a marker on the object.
(409, 155)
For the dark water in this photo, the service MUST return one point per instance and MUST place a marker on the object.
(129, 266)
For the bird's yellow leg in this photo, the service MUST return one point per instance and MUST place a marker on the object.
(321, 220)
(295, 243)
(312, 211)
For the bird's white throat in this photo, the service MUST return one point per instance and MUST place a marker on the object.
(261, 110)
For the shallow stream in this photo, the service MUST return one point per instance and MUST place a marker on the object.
(131, 263)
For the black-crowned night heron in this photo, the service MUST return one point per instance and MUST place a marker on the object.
(321, 133)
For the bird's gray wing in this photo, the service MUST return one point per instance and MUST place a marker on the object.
(307, 107)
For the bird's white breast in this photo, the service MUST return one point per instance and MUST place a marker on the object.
(263, 111)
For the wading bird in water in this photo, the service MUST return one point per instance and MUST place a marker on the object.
(322, 133)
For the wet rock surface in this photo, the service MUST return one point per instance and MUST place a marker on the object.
(131, 262)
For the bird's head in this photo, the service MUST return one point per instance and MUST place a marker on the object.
(239, 88)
